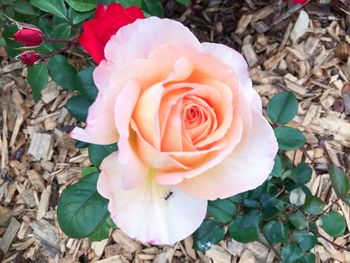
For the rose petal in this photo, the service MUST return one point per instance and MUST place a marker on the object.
(245, 169)
(149, 212)
(138, 39)
(239, 66)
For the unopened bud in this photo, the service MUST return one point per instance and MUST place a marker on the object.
(29, 57)
(29, 36)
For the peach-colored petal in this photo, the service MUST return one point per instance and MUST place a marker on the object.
(149, 212)
(239, 66)
(244, 169)
(138, 39)
(124, 107)
(233, 137)
(146, 114)
(102, 74)
(152, 156)
(100, 128)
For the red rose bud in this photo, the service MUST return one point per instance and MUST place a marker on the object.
(29, 57)
(29, 36)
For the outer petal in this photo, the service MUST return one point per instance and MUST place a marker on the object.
(239, 66)
(100, 127)
(149, 212)
(245, 169)
(138, 39)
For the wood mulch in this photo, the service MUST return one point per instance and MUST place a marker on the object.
(303, 50)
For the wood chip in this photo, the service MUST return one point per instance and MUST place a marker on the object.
(40, 146)
(9, 235)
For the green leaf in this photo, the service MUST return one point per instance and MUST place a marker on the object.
(222, 210)
(346, 199)
(82, 5)
(11, 45)
(55, 7)
(127, 3)
(282, 107)
(291, 253)
(98, 152)
(153, 7)
(37, 78)
(89, 170)
(61, 31)
(305, 240)
(23, 7)
(297, 197)
(340, 181)
(78, 107)
(62, 72)
(314, 205)
(86, 85)
(333, 223)
(302, 173)
(102, 232)
(208, 234)
(298, 220)
(81, 209)
(277, 167)
(77, 17)
(184, 2)
(272, 208)
(308, 258)
(289, 138)
(245, 228)
(275, 231)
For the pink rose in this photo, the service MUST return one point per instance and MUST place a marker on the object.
(189, 127)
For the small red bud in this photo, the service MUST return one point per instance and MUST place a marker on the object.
(29, 57)
(29, 36)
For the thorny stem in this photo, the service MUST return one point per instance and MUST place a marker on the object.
(69, 43)
(72, 41)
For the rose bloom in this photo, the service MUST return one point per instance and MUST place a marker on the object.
(189, 127)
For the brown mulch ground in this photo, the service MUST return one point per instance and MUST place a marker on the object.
(38, 159)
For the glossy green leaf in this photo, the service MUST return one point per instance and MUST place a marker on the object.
(222, 210)
(102, 232)
(289, 138)
(56, 7)
(208, 234)
(275, 231)
(62, 72)
(89, 170)
(81, 209)
(184, 2)
(346, 199)
(153, 7)
(291, 253)
(12, 47)
(82, 5)
(245, 228)
(308, 258)
(78, 17)
(86, 85)
(282, 107)
(61, 31)
(127, 3)
(23, 7)
(277, 167)
(340, 181)
(298, 220)
(314, 205)
(333, 223)
(297, 197)
(78, 107)
(305, 240)
(37, 78)
(98, 152)
(302, 173)
(272, 208)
